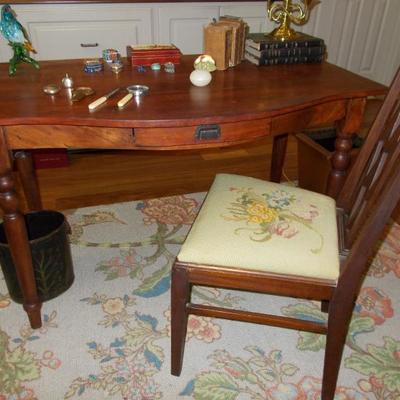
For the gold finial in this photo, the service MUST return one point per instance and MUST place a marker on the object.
(286, 12)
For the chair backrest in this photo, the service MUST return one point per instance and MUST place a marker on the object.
(378, 160)
(373, 191)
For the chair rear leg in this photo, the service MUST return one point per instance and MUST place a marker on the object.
(338, 324)
(180, 296)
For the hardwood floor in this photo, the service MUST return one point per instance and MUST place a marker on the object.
(117, 176)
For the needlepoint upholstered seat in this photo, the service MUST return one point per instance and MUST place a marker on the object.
(270, 238)
(254, 224)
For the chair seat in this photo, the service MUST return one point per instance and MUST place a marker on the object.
(258, 225)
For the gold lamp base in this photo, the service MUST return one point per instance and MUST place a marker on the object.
(284, 12)
(283, 33)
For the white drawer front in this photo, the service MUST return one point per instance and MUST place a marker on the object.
(82, 31)
(63, 40)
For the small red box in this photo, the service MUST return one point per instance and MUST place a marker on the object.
(50, 158)
(150, 54)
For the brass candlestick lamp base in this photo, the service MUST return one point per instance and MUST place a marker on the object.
(284, 12)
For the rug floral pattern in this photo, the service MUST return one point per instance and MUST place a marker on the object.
(107, 337)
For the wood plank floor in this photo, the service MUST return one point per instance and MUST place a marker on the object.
(118, 176)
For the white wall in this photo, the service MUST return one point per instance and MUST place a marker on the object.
(361, 35)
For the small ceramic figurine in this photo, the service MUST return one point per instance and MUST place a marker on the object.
(17, 38)
(203, 66)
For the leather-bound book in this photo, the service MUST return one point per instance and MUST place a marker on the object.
(242, 31)
(217, 44)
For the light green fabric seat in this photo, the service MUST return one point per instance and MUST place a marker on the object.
(254, 224)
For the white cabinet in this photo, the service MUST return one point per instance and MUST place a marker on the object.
(182, 25)
(82, 31)
(361, 35)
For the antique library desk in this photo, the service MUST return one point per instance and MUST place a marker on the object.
(241, 104)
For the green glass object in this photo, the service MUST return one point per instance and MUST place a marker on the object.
(51, 256)
(21, 54)
(17, 38)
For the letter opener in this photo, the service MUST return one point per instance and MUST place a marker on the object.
(102, 99)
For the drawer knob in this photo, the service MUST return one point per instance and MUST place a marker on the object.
(89, 45)
(208, 132)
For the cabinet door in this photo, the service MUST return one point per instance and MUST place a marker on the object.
(78, 31)
(182, 25)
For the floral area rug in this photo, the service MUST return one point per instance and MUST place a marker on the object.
(108, 336)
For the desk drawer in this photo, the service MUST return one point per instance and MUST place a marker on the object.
(207, 135)
(62, 136)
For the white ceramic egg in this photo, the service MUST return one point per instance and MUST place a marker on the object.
(200, 77)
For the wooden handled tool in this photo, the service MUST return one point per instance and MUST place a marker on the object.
(102, 99)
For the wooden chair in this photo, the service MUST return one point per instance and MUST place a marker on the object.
(264, 237)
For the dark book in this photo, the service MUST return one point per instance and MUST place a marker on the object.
(287, 51)
(284, 60)
(261, 42)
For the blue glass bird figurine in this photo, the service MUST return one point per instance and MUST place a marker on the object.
(17, 38)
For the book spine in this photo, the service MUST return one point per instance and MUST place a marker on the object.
(282, 45)
(284, 60)
(287, 52)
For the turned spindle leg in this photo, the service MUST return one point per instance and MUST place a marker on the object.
(17, 237)
(343, 145)
(24, 163)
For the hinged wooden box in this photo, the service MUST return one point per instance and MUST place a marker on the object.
(153, 53)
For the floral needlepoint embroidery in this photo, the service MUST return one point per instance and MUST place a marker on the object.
(276, 213)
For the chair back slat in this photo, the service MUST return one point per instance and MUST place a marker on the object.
(378, 158)
(356, 263)
(389, 109)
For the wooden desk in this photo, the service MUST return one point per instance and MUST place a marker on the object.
(239, 105)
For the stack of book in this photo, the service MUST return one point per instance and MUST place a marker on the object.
(263, 50)
(153, 53)
(224, 41)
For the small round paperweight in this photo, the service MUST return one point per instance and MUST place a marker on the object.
(51, 88)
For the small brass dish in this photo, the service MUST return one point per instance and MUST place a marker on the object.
(51, 88)
(80, 92)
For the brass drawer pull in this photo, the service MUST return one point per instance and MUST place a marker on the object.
(89, 45)
(208, 132)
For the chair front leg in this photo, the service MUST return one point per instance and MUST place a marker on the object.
(180, 296)
(338, 325)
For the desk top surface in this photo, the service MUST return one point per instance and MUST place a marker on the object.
(245, 92)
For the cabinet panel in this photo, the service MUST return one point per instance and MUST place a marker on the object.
(76, 31)
(183, 25)
(82, 40)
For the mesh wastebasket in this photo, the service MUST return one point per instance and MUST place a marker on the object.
(51, 255)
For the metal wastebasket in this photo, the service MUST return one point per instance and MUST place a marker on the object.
(51, 255)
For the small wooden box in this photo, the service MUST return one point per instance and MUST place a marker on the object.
(154, 53)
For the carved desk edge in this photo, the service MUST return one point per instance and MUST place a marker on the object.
(177, 137)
